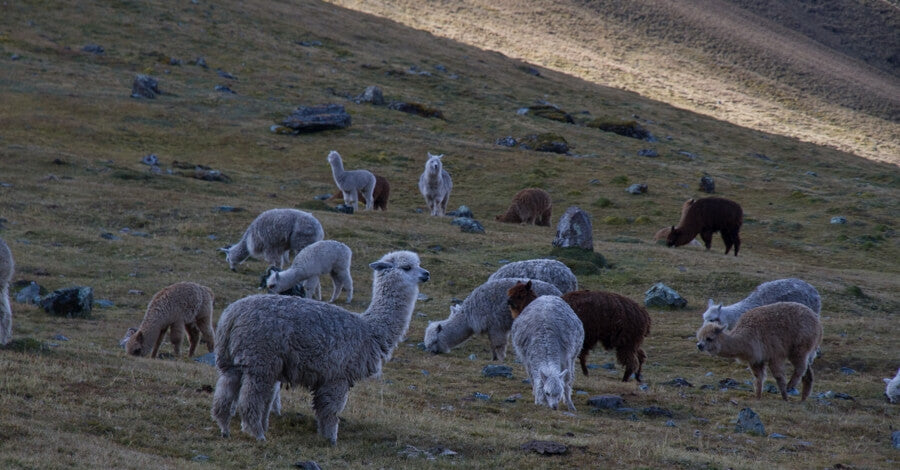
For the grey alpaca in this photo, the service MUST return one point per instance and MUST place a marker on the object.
(547, 336)
(323, 257)
(266, 338)
(435, 184)
(7, 267)
(485, 310)
(273, 235)
(547, 270)
(780, 290)
(352, 181)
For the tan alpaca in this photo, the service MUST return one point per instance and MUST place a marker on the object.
(184, 306)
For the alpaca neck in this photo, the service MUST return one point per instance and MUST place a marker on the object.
(239, 251)
(736, 347)
(684, 235)
(389, 312)
(337, 167)
(292, 276)
(455, 329)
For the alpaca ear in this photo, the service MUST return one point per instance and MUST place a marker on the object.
(439, 328)
(224, 249)
(381, 265)
(672, 229)
(887, 381)
(528, 285)
(563, 373)
(710, 304)
(139, 336)
(544, 376)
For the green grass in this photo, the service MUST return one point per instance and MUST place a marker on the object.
(82, 403)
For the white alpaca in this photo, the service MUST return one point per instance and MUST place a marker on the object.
(547, 270)
(547, 336)
(273, 235)
(349, 182)
(779, 290)
(262, 339)
(323, 257)
(7, 267)
(892, 388)
(435, 184)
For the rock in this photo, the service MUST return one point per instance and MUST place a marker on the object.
(109, 236)
(481, 396)
(145, 86)
(312, 43)
(546, 142)
(93, 49)
(150, 159)
(418, 109)
(670, 424)
(513, 398)
(728, 383)
(317, 118)
(545, 447)
(71, 302)
(707, 185)
(606, 402)
(574, 229)
(678, 382)
(648, 153)
(371, 95)
(200, 62)
(210, 175)
(228, 209)
(208, 359)
(422, 297)
(661, 296)
(547, 111)
(344, 208)
(468, 225)
(637, 188)
(463, 211)
(224, 89)
(104, 303)
(692, 156)
(838, 220)
(624, 128)
(507, 141)
(748, 422)
(761, 156)
(307, 465)
(655, 411)
(225, 74)
(847, 371)
(895, 439)
(59, 337)
(30, 294)
(494, 370)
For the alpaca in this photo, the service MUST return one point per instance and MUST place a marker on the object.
(352, 181)
(485, 310)
(892, 388)
(530, 206)
(547, 336)
(435, 184)
(779, 290)
(614, 320)
(547, 270)
(273, 235)
(7, 267)
(769, 335)
(381, 193)
(265, 338)
(662, 235)
(707, 216)
(322, 257)
(181, 306)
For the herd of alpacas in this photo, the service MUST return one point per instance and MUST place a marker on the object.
(264, 341)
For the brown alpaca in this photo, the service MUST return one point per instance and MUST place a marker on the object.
(615, 321)
(182, 306)
(530, 206)
(769, 335)
(380, 194)
(707, 216)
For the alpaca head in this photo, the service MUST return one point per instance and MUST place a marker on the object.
(434, 342)
(399, 268)
(433, 165)
(520, 295)
(672, 238)
(272, 283)
(135, 345)
(333, 156)
(709, 338)
(713, 312)
(553, 387)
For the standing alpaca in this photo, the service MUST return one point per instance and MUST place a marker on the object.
(381, 193)
(892, 388)
(530, 206)
(435, 184)
(352, 181)
(779, 290)
(262, 339)
(769, 335)
(323, 257)
(273, 235)
(547, 336)
(182, 306)
(7, 267)
(547, 270)
(707, 216)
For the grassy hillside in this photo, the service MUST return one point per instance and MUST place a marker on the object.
(72, 139)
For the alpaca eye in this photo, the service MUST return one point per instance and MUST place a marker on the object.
(406, 268)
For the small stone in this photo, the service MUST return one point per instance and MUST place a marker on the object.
(707, 185)
(425, 373)
(422, 297)
(513, 398)
(545, 447)
(371, 95)
(481, 396)
(463, 211)
(507, 141)
(895, 439)
(200, 62)
(317, 118)
(574, 229)
(229, 209)
(648, 153)
(307, 465)
(811, 173)
(678, 382)
(775, 435)
(728, 383)
(225, 74)
(662, 296)
(224, 89)
(310, 43)
(608, 366)
(109, 236)
(150, 159)
(656, 411)
(606, 402)
(200, 458)
(135, 292)
(670, 424)
(468, 225)
(30, 294)
(93, 49)
(71, 302)
(344, 208)
(145, 86)
(472, 357)
(838, 220)
(208, 359)
(15, 57)
(847, 371)
(494, 370)
(104, 303)
(748, 422)
(59, 337)
(637, 188)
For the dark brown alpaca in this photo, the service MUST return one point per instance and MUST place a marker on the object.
(611, 319)
(707, 216)
(531, 206)
(380, 194)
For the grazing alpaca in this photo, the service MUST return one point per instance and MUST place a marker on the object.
(352, 181)
(530, 206)
(435, 184)
(779, 290)
(892, 388)
(181, 306)
(381, 193)
(262, 339)
(323, 257)
(7, 267)
(547, 270)
(707, 216)
(769, 335)
(273, 235)
(547, 336)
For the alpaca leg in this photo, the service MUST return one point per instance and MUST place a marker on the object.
(737, 242)
(627, 358)
(285, 259)
(537, 390)
(351, 200)
(193, 337)
(498, 345)
(159, 339)
(313, 288)
(328, 402)
(800, 367)
(706, 236)
(348, 284)
(276, 400)
(204, 325)
(227, 388)
(582, 357)
(807, 383)
(337, 286)
(726, 237)
(369, 201)
(777, 368)
(570, 379)
(176, 334)
(444, 202)
(254, 401)
(5, 316)
(759, 371)
(641, 356)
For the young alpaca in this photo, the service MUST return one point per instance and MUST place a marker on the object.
(352, 181)
(611, 319)
(779, 290)
(262, 339)
(547, 336)
(7, 267)
(181, 306)
(485, 310)
(323, 257)
(381, 193)
(769, 335)
(273, 235)
(892, 388)
(707, 216)
(547, 270)
(530, 206)
(435, 184)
